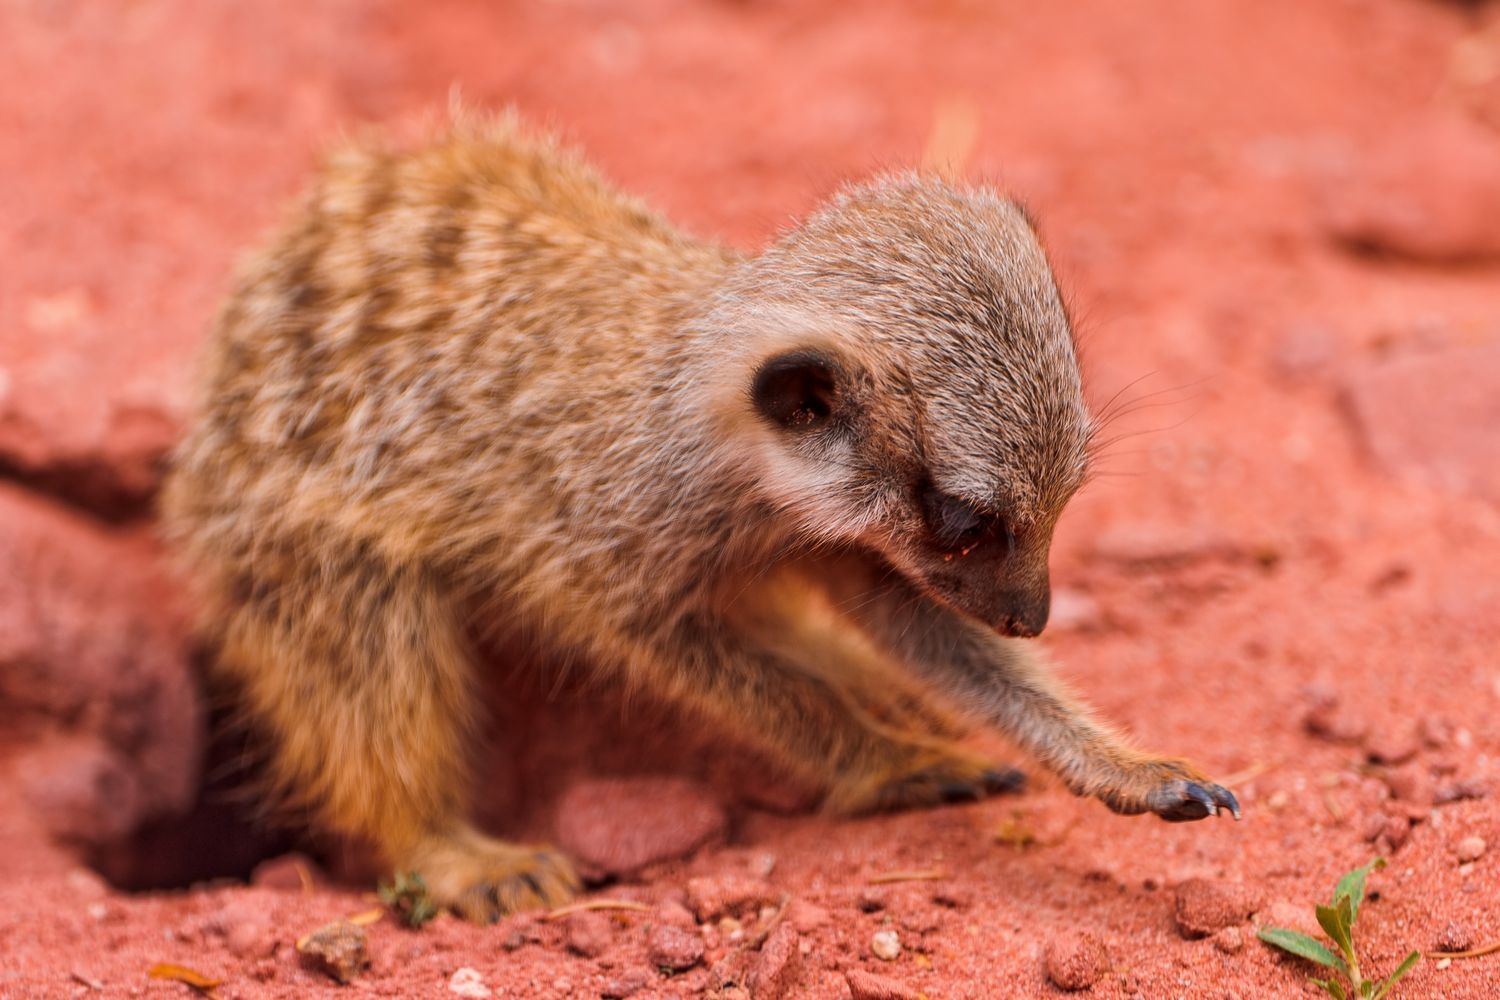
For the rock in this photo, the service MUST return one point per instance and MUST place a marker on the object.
(90, 645)
(774, 970)
(80, 788)
(1459, 791)
(626, 984)
(710, 897)
(1328, 720)
(1454, 937)
(1229, 940)
(1385, 747)
(340, 949)
(674, 948)
(1075, 960)
(1429, 190)
(467, 982)
(670, 911)
(886, 945)
(869, 986)
(287, 872)
(1469, 849)
(1395, 832)
(589, 934)
(616, 826)
(1429, 417)
(1411, 783)
(805, 917)
(1203, 906)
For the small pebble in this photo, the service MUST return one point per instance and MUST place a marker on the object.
(1383, 747)
(1075, 960)
(467, 982)
(1470, 849)
(1229, 940)
(886, 945)
(675, 948)
(1412, 783)
(339, 949)
(1455, 937)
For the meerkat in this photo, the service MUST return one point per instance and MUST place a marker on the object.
(471, 384)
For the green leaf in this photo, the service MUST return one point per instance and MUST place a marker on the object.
(1353, 886)
(1332, 987)
(1334, 922)
(1366, 987)
(1302, 946)
(1407, 964)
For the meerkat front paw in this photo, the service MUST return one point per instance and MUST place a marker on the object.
(482, 879)
(1172, 789)
(931, 778)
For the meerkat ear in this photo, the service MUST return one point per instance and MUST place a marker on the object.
(798, 390)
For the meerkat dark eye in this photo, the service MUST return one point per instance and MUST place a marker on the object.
(797, 390)
(955, 524)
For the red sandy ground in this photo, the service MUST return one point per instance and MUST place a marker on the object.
(1273, 542)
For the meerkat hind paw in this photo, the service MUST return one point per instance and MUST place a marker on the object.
(948, 781)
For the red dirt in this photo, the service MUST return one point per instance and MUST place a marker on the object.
(1298, 536)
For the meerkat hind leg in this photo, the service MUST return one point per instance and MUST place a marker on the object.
(361, 676)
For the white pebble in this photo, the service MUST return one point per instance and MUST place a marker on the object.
(886, 945)
(1471, 849)
(467, 982)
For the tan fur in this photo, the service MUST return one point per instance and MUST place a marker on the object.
(471, 386)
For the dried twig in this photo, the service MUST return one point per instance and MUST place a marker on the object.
(925, 875)
(1487, 949)
(595, 904)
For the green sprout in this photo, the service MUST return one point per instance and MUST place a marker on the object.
(408, 898)
(1337, 921)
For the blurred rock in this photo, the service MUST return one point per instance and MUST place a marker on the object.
(589, 934)
(1455, 937)
(674, 948)
(94, 669)
(869, 986)
(773, 974)
(1469, 849)
(340, 949)
(1203, 906)
(1075, 960)
(616, 826)
(1412, 784)
(1429, 191)
(1431, 417)
(1386, 747)
(711, 897)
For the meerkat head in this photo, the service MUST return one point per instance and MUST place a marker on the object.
(907, 383)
